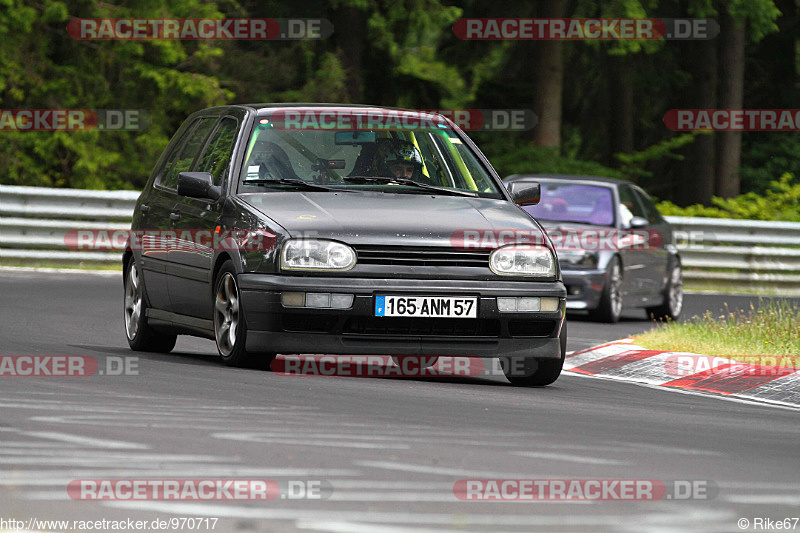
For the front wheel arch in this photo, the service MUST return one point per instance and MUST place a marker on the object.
(126, 259)
(238, 355)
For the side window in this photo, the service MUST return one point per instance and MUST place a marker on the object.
(183, 161)
(651, 213)
(473, 166)
(173, 154)
(629, 206)
(217, 156)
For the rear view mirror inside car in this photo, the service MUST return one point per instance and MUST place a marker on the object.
(331, 164)
(354, 137)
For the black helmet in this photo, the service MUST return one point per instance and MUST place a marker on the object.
(398, 151)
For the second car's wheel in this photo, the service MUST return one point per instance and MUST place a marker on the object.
(547, 370)
(230, 326)
(673, 297)
(141, 337)
(610, 307)
(413, 364)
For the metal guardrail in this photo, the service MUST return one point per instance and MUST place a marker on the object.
(739, 254)
(35, 220)
(71, 204)
(750, 255)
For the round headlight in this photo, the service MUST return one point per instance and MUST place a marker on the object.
(523, 260)
(583, 258)
(316, 254)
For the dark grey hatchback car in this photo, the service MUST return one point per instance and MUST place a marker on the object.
(301, 228)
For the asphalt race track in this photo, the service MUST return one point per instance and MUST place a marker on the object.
(391, 449)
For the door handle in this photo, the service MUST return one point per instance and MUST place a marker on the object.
(144, 208)
(174, 216)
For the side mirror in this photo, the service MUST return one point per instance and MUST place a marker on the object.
(198, 185)
(639, 222)
(525, 192)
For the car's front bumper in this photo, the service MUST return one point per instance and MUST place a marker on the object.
(271, 327)
(584, 288)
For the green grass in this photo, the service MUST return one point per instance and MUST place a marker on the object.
(771, 329)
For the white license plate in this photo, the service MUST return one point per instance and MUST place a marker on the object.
(427, 306)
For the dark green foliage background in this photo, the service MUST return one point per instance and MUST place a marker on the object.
(387, 52)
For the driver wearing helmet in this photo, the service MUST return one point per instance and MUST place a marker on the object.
(402, 159)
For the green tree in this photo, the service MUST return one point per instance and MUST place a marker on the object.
(41, 67)
(737, 19)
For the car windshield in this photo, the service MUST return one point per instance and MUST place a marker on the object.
(569, 202)
(419, 160)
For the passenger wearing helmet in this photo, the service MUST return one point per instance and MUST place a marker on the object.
(402, 159)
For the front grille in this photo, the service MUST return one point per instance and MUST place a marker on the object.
(422, 327)
(421, 256)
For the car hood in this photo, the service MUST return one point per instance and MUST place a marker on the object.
(554, 225)
(566, 235)
(372, 217)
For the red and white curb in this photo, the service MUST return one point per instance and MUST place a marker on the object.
(626, 361)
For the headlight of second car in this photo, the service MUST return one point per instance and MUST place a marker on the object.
(577, 258)
(314, 254)
(523, 260)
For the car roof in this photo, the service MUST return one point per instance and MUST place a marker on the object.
(309, 104)
(568, 177)
(295, 105)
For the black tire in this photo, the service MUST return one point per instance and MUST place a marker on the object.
(230, 325)
(547, 370)
(141, 337)
(610, 307)
(670, 309)
(414, 363)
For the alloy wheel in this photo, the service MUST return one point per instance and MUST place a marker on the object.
(133, 301)
(226, 313)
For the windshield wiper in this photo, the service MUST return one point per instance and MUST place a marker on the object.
(411, 183)
(297, 183)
